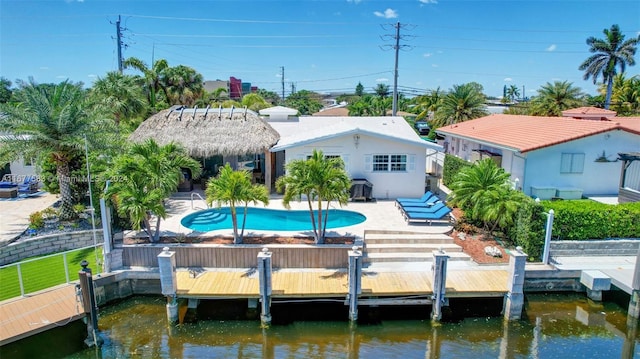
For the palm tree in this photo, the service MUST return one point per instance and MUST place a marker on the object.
(428, 103)
(625, 95)
(235, 188)
(254, 102)
(462, 103)
(513, 92)
(318, 179)
(49, 121)
(183, 85)
(153, 77)
(554, 98)
(609, 54)
(382, 90)
(118, 95)
(143, 177)
(484, 193)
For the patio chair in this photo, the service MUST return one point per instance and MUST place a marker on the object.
(410, 216)
(29, 185)
(427, 198)
(423, 208)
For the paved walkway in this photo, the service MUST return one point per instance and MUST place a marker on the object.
(14, 214)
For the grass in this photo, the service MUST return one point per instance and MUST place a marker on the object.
(45, 272)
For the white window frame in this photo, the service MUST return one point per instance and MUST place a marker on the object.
(390, 162)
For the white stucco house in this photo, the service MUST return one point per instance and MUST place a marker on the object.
(385, 150)
(565, 157)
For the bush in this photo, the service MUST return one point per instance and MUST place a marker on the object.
(36, 220)
(528, 228)
(452, 165)
(586, 219)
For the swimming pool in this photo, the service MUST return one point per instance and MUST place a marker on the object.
(267, 219)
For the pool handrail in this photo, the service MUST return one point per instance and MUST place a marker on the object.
(199, 196)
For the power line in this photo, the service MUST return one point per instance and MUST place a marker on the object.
(396, 47)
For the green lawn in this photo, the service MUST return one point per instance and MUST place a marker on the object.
(45, 272)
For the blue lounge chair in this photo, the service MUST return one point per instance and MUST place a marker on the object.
(424, 197)
(424, 208)
(427, 217)
(29, 185)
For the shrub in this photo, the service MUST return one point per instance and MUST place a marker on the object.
(36, 220)
(49, 213)
(528, 228)
(586, 219)
(452, 165)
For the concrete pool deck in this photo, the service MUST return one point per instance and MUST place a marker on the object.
(381, 215)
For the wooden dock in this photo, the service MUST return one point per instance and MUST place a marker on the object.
(334, 283)
(26, 316)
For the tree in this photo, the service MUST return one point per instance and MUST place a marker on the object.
(48, 121)
(118, 95)
(269, 96)
(462, 103)
(254, 102)
(182, 85)
(143, 177)
(317, 179)
(153, 77)
(359, 89)
(484, 193)
(513, 92)
(609, 54)
(427, 104)
(5, 90)
(382, 90)
(235, 188)
(625, 95)
(306, 102)
(553, 98)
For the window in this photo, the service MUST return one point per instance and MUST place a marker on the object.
(389, 163)
(572, 163)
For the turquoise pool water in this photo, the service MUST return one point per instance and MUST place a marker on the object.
(267, 219)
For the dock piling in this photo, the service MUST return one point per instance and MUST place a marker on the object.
(439, 268)
(89, 304)
(634, 301)
(355, 281)
(168, 282)
(514, 299)
(264, 275)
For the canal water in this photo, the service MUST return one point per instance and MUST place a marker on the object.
(553, 326)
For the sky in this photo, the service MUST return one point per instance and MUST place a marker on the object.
(323, 46)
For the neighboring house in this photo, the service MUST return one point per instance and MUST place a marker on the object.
(384, 150)
(549, 157)
(22, 167)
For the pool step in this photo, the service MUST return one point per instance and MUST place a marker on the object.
(411, 257)
(375, 238)
(403, 247)
(412, 247)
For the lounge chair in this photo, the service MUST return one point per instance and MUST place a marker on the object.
(424, 197)
(410, 216)
(29, 185)
(430, 201)
(424, 208)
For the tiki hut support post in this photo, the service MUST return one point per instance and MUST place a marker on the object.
(195, 110)
(206, 111)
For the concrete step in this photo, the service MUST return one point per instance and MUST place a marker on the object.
(411, 257)
(407, 238)
(413, 247)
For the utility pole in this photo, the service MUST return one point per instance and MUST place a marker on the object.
(394, 108)
(119, 41)
(397, 48)
(282, 79)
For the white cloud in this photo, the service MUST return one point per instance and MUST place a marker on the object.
(354, 1)
(552, 47)
(434, 65)
(63, 77)
(92, 76)
(382, 79)
(428, 54)
(428, 1)
(387, 14)
(508, 79)
(44, 68)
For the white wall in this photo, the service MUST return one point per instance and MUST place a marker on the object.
(598, 178)
(385, 184)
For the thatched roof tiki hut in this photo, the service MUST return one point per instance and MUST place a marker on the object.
(209, 132)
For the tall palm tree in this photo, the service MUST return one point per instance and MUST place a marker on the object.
(118, 95)
(382, 90)
(553, 98)
(609, 54)
(49, 121)
(143, 177)
(319, 179)
(153, 77)
(625, 95)
(513, 92)
(428, 103)
(235, 188)
(464, 102)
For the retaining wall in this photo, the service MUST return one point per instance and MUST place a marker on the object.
(43, 245)
(607, 247)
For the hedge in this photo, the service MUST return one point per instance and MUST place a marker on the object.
(587, 219)
(452, 165)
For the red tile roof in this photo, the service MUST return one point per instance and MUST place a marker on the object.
(588, 112)
(528, 133)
